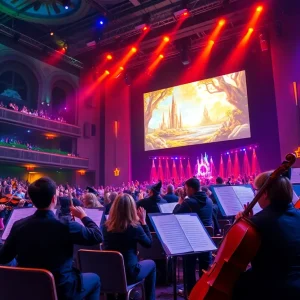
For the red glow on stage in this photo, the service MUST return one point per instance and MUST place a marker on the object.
(121, 68)
(153, 173)
(63, 50)
(236, 165)
(166, 39)
(107, 72)
(161, 56)
(145, 28)
(133, 49)
(222, 171)
(229, 166)
(250, 30)
(185, 13)
(211, 42)
(109, 57)
(160, 170)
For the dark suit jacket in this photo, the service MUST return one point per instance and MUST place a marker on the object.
(171, 198)
(200, 204)
(126, 243)
(42, 241)
(275, 272)
(150, 205)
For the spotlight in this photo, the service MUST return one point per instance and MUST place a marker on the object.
(161, 56)
(185, 13)
(259, 8)
(109, 57)
(145, 28)
(250, 30)
(107, 72)
(52, 33)
(66, 7)
(133, 49)
(121, 68)
(222, 22)
(211, 42)
(166, 39)
(182, 12)
(101, 22)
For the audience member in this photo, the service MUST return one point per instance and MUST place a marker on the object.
(170, 195)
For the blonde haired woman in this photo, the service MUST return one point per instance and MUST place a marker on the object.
(90, 200)
(125, 228)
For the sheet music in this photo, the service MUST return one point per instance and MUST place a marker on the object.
(246, 195)
(172, 235)
(295, 198)
(167, 208)
(295, 175)
(228, 200)
(195, 233)
(94, 214)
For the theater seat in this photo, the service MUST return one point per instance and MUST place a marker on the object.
(109, 265)
(25, 283)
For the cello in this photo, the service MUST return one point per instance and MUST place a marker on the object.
(236, 251)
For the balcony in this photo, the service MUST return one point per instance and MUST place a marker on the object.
(29, 121)
(42, 158)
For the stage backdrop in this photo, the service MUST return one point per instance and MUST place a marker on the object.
(204, 111)
(261, 99)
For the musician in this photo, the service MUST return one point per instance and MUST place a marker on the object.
(196, 202)
(275, 270)
(125, 228)
(170, 195)
(41, 241)
(150, 203)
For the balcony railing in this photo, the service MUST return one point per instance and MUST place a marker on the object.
(15, 117)
(43, 158)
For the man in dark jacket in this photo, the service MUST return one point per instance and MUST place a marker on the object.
(41, 241)
(196, 202)
(150, 203)
(170, 197)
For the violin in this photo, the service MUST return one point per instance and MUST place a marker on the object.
(236, 251)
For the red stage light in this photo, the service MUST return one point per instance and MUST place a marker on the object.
(166, 39)
(121, 68)
(63, 49)
(185, 13)
(250, 30)
(161, 56)
(145, 28)
(109, 57)
(222, 22)
(259, 8)
(211, 42)
(133, 49)
(107, 72)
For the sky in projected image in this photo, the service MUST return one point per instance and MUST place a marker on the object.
(205, 111)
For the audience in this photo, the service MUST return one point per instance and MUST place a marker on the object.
(90, 200)
(125, 228)
(37, 113)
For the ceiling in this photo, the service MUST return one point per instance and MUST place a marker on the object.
(79, 24)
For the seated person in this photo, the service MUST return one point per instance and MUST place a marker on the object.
(41, 241)
(90, 200)
(170, 196)
(125, 228)
(275, 269)
(109, 201)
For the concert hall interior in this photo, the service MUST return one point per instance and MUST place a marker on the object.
(151, 119)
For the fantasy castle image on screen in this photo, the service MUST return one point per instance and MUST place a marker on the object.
(206, 111)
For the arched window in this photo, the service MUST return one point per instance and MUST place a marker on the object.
(13, 85)
(58, 100)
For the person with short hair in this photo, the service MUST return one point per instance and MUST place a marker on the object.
(41, 241)
(122, 232)
(275, 269)
(195, 202)
(170, 196)
(219, 180)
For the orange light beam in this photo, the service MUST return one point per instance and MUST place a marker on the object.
(124, 61)
(155, 63)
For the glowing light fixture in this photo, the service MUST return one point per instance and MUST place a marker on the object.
(107, 72)
(222, 22)
(133, 49)
(161, 56)
(259, 8)
(51, 33)
(250, 30)
(166, 39)
(109, 57)
(121, 68)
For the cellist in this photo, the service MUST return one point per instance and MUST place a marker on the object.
(275, 270)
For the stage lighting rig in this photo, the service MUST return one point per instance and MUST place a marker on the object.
(180, 13)
(142, 27)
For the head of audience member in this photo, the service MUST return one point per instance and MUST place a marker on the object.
(122, 214)
(112, 197)
(206, 191)
(42, 193)
(91, 201)
(219, 180)
(192, 186)
(155, 189)
(279, 193)
(170, 189)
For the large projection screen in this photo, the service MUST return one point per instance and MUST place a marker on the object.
(205, 111)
